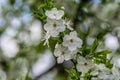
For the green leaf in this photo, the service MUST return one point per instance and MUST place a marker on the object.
(85, 51)
(27, 77)
(94, 45)
(87, 75)
(37, 14)
(104, 52)
(20, 78)
(42, 6)
(108, 63)
(101, 57)
(74, 74)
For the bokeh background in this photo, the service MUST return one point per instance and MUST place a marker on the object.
(21, 46)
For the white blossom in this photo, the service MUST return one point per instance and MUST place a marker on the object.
(62, 53)
(68, 24)
(54, 13)
(108, 11)
(102, 72)
(54, 27)
(72, 41)
(116, 72)
(116, 69)
(84, 64)
(3, 75)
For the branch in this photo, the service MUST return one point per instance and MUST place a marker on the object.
(58, 66)
(39, 76)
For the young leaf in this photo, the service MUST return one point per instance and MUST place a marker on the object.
(74, 75)
(108, 63)
(94, 45)
(104, 52)
(101, 57)
(87, 75)
(27, 77)
(85, 51)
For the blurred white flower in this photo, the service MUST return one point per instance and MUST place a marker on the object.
(54, 13)
(72, 41)
(9, 46)
(116, 62)
(3, 75)
(35, 31)
(84, 64)
(63, 53)
(116, 72)
(116, 69)
(54, 27)
(102, 72)
(117, 31)
(15, 22)
(68, 24)
(108, 11)
(111, 42)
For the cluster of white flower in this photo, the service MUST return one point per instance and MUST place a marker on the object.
(68, 49)
(71, 42)
(116, 69)
(101, 72)
(55, 24)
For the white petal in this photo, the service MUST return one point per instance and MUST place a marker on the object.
(80, 60)
(47, 12)
(47, 27)
(74, 33)
(60, 59)
(60, 14)
(78, 43)
(60, 26)
(57, 53)
(54, 10)
(57, 45)
(67, 56)
(50, 15)
(58, 50)
(54, 33)
(65, 43)
(54, 14)
(66, 38)
(72, 48)
(82, 68)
